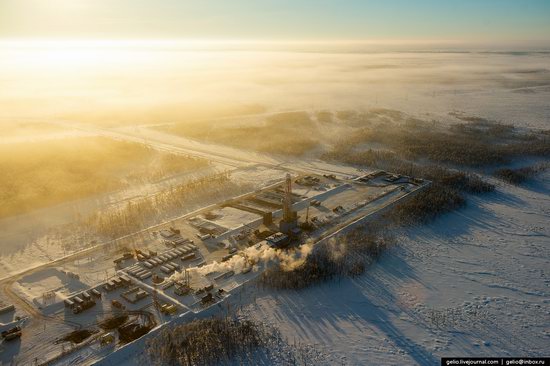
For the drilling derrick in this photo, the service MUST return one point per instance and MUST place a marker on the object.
(290, 219)
(287, 202)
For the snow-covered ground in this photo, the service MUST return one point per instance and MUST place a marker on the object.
(473, 283)
(168, 82)
(44, 234)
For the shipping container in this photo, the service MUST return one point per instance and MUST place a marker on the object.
(145, 275)
(188, 257)
(69, 303)
(95, 293)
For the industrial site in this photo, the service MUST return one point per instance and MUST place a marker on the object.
(97, 302)
(274, 183)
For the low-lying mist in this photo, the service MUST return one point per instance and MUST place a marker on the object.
(144, 84)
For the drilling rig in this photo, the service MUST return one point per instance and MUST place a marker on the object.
(290, 218)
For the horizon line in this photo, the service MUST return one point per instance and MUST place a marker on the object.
(35, 42)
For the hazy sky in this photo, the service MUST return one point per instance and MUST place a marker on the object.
(459, 20)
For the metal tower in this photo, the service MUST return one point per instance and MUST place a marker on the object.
(287, 201)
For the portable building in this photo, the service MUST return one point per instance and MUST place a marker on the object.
(69, 303)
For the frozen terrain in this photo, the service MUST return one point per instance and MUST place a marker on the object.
(512, 87)
(473, 283)
(45, 234)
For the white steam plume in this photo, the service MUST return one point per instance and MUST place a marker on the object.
(264, 255)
